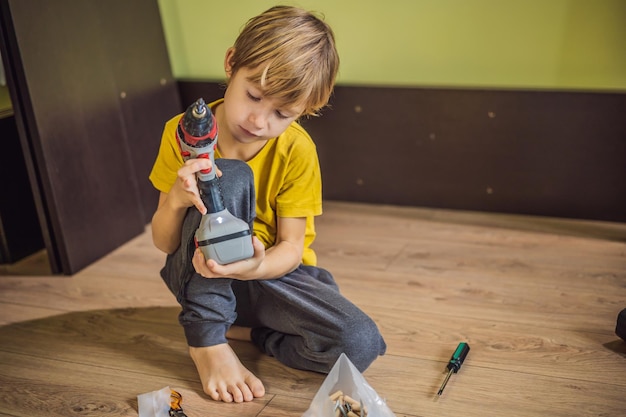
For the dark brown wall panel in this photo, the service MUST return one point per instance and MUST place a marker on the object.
(531, 152)
(547, 153)
(191, 90)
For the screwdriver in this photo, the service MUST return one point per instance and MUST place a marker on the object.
(455, 363)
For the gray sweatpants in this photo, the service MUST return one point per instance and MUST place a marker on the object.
(301, 318)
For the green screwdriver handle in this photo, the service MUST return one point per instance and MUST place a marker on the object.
(458, 357)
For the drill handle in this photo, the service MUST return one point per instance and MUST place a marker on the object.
(208, 151)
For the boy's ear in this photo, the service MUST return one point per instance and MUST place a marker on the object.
(228, 61)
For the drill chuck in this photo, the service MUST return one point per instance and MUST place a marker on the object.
(221, 236)
(198, 125)
(197, 136)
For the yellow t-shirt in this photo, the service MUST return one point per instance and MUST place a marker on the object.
(287, 180)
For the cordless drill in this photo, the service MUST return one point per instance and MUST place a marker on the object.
(221, 236)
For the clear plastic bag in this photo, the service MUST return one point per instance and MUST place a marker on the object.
(155, 403)
(165, 402)
(346, 378)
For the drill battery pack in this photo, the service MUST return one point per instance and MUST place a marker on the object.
(620, 329)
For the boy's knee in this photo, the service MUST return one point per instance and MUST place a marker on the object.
(237, 188)
(234, 169)
(363, 343)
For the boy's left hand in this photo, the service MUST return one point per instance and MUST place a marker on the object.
(244, 270)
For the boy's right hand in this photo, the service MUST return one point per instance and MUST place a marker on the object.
(185, 191)
(168, 218)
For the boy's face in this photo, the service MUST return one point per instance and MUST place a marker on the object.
(251, 116)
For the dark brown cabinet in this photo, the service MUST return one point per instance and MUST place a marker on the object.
(92, 87)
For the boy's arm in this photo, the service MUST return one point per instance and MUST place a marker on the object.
(275, 262)
(288, 247)
(167, 223)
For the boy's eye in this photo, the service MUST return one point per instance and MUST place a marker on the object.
(281, 115)
(252, 97)
(255, 98)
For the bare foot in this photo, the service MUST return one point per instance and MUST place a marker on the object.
(239, 333)
(223, 376)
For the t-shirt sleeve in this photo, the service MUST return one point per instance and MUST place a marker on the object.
(301, 193)
(168, 160)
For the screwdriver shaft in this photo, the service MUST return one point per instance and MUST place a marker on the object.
(445, 382)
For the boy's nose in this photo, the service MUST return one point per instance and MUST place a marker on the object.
(257, 119)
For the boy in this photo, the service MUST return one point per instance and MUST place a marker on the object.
(283, 66)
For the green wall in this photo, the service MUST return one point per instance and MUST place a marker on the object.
(547, 44)
(5, 99)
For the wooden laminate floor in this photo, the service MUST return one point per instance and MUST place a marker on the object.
(537, 300)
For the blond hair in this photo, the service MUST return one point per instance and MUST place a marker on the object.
(292, 55)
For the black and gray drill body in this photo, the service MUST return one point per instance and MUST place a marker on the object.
(221, 236)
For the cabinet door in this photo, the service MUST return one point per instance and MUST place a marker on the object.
(92, 88)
